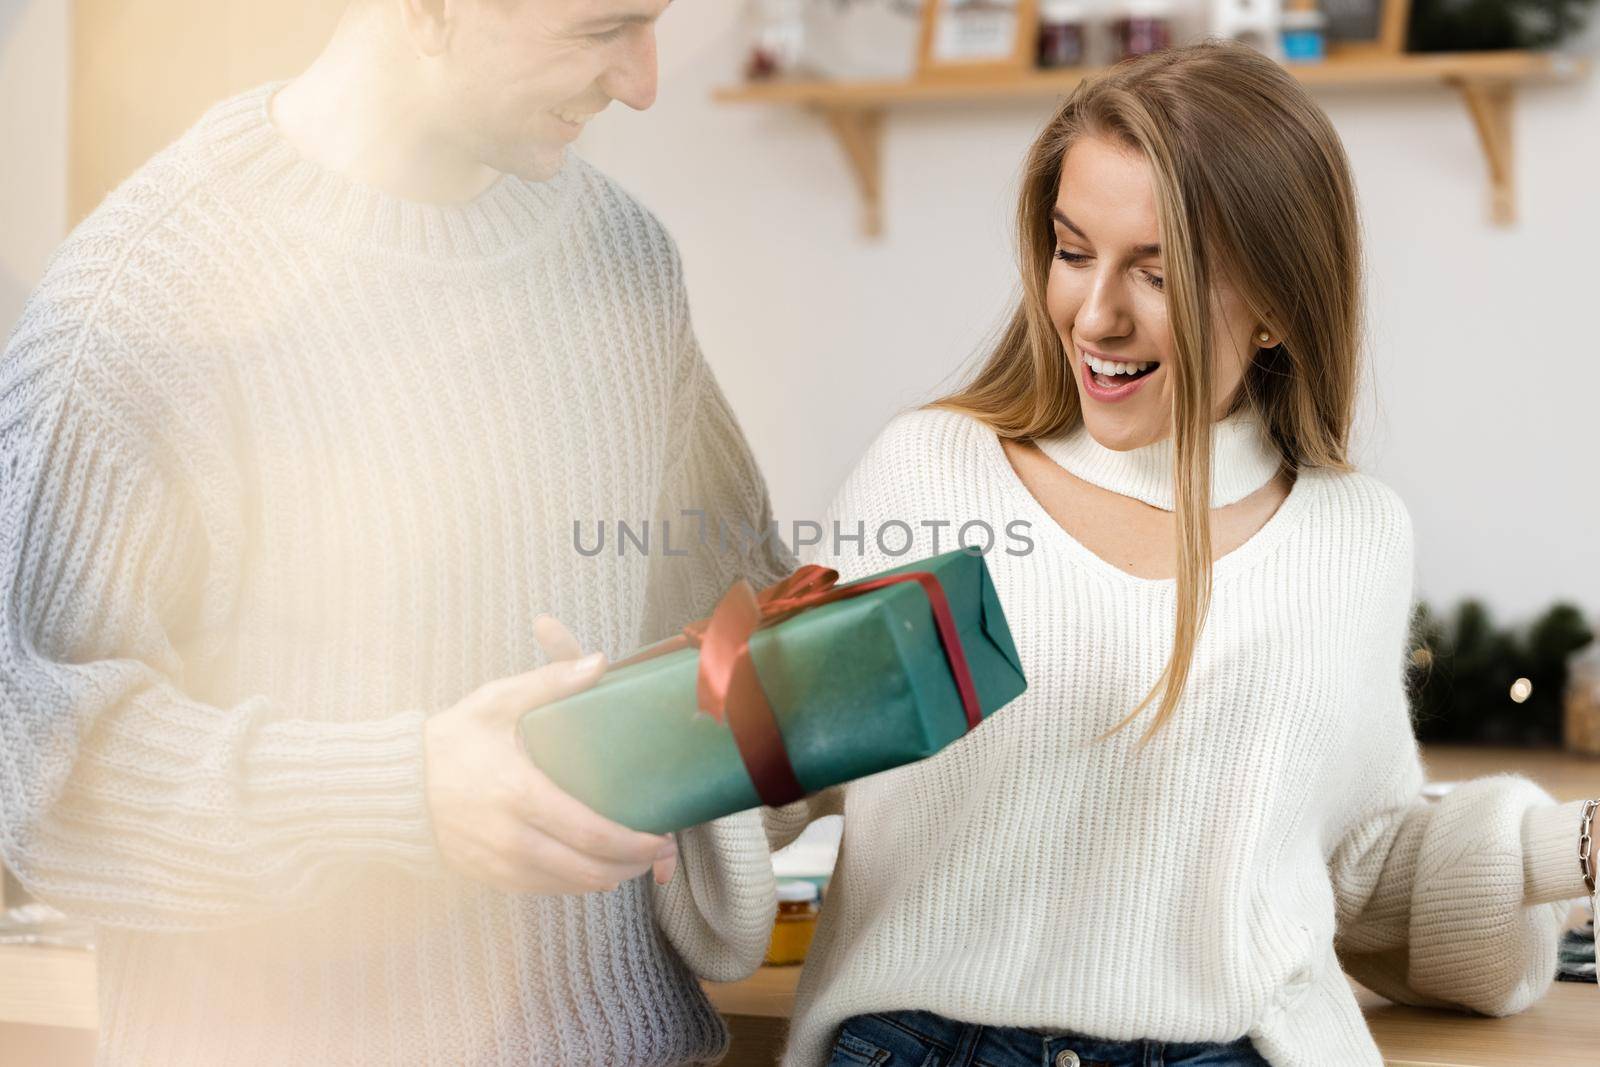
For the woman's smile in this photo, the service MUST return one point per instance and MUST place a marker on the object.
(1110, 380)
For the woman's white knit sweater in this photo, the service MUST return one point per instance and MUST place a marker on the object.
(1210, 886)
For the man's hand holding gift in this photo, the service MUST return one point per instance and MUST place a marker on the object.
(498, 818)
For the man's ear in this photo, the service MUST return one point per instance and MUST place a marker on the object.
(427, 23)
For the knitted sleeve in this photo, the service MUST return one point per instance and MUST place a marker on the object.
(785, 824)
(716, 500)
(717, 910)
(122, 798)
(1447, 903)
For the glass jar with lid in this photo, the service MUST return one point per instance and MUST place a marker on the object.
(1063, 33)
(1144, 26)
(794, 924)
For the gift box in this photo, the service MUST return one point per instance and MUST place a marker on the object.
(783, 693)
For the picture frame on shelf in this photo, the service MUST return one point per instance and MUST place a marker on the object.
(1366, 28)
(962, 38)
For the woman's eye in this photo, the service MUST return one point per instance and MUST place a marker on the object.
(1156, 280)
(607, 36)
(1075, 258)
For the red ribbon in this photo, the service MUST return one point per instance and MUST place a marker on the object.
(729, 689)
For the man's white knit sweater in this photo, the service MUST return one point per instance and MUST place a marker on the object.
(285, 465)
(1210, 886)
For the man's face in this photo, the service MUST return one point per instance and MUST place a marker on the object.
(520, 78)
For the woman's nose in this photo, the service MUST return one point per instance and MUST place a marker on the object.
(1102, 313)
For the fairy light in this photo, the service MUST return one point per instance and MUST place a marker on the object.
(1521, 689)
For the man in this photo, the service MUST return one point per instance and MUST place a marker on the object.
(294, 436)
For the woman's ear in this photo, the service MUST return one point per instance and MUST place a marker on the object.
(1267, 333)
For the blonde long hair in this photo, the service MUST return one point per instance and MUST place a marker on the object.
(1252, 186)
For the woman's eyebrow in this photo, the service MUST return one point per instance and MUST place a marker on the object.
(1138, 250)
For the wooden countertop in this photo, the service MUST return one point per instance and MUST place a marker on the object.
(1562, 1030)
(45, 986)
(55, 987)
(1564, 775)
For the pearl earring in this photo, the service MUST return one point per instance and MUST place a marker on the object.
(1263, 337)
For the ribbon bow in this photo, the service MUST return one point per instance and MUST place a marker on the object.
(728, 688)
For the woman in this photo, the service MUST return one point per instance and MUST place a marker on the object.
(1169, 409)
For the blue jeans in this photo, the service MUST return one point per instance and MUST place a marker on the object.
(922, 1039)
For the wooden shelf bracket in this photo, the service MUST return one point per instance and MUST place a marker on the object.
(1486, 81)
(1489, 104)
(859, 132)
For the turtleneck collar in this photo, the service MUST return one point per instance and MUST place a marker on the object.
(1243, 459)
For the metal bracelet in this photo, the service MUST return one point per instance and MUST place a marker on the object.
(1586, 844)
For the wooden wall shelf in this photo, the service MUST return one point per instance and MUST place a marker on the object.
(1486, 80)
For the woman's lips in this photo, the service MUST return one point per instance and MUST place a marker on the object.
(1115, 393)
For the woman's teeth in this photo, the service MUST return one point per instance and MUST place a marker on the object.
(1109, 367)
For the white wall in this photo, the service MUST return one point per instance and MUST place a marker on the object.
(33, 144)
(799, 313)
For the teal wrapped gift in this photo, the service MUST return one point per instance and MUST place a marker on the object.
(783, 694)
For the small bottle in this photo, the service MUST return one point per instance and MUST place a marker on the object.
(1302, 30)
(1145, 26)
(795, 923)
(1063, 28)
(777, 39)
(1581, 705)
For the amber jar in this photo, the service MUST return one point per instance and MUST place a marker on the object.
(1581, 729)
(794, 924)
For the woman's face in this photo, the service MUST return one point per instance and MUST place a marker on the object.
(1105, 297)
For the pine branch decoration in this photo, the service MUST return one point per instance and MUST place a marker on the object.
(1464, 673)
